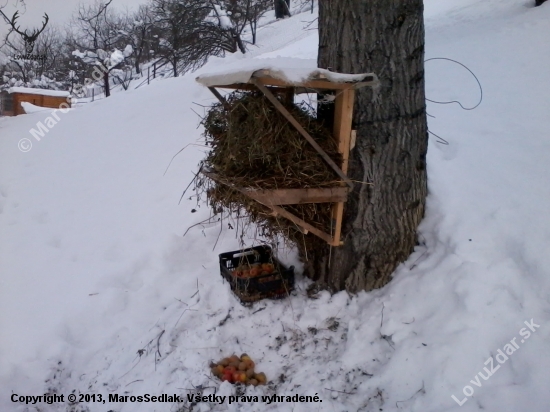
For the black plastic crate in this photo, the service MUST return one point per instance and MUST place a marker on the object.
(275, 285)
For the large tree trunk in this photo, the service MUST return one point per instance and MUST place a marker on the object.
(380, 220)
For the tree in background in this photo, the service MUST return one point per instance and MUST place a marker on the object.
(282, 8)
(138, 31)
(96, 31)
(234, 16)
(255, 10)
(181, 33)
(380, 221)
(228, 20)
(45, 70)
(186, 37)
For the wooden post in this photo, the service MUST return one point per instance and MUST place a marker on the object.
(343, 116)
(289, 96)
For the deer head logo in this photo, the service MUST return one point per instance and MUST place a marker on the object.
(29, 38)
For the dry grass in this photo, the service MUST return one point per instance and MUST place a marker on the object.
(254, 146)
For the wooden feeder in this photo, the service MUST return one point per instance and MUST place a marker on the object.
(270, 82)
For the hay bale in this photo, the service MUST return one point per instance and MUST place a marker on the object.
(254, 146)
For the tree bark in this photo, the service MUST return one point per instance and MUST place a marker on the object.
(282, 8)
(380, 220)
(106, 85)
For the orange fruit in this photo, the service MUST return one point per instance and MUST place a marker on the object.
(261, 378)
(268, 267)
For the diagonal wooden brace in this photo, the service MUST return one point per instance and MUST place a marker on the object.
(300, 129)
(306, 227)
(220, 98)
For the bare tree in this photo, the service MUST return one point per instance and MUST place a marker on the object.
(255, 10)
(96, 32)
(380, 220)
(245, 13)
(229, 21)
(43, 68)
(28, 37)
(138, 31)
(189, 33)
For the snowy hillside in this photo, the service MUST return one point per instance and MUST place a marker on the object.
(100, 292)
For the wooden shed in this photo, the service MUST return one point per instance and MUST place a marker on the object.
(11, 99)
(290, 82)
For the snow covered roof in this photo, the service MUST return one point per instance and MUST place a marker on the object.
(43, 92)
(289, 70)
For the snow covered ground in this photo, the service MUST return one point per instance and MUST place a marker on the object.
(94, 268)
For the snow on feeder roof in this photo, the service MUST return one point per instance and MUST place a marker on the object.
(285, 72)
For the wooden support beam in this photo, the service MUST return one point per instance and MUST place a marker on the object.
(302, 131)
(220, 98)
(343, 116)
(299, 196)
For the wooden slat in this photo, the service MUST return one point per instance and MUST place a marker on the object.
(299, 196)
(302, 131)
(343, 116)
(276, 210)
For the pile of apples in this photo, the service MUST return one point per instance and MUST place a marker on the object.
(238, 370)
(256, 269)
